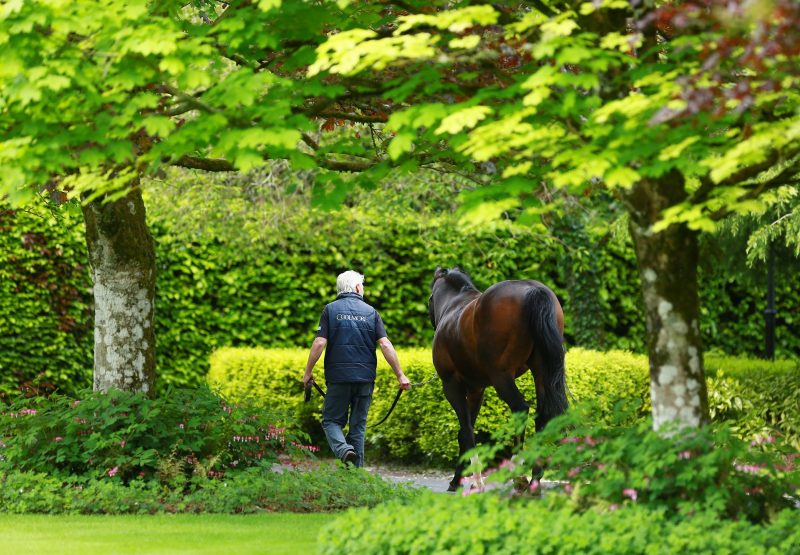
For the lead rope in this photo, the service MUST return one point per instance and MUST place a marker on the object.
(394, 403)
(397, 398)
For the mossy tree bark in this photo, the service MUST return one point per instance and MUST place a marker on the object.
(122, 256)
(668, 270)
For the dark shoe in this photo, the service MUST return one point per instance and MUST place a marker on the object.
(350, 457)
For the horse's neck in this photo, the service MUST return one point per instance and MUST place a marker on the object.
(458, 301)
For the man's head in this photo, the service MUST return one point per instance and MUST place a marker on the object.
(350, 282)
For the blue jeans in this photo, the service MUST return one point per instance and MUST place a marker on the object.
(340, 399)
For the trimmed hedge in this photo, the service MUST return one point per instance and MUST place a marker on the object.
(211, 293)
(486, 523)
(46, 316)
(423, 427)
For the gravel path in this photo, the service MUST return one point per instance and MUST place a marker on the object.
(434, 480)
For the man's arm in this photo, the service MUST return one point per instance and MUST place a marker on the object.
(391, 357)
(317, 347)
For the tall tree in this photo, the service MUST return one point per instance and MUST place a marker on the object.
(95, 95)
(687, 111)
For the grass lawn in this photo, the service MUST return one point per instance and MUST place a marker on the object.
(273, 533)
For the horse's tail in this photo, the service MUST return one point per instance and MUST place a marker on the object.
(540, 307)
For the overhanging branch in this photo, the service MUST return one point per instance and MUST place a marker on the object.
(222, 165)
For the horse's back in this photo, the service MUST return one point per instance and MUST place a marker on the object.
(503, 327)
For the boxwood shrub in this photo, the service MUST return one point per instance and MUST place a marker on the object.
(755, 396)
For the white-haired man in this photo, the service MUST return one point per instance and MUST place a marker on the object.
(348, 331)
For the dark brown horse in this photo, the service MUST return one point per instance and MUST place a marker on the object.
(490, 339)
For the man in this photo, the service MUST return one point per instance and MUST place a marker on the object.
(348, 332)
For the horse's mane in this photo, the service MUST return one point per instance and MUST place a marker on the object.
(455, 278)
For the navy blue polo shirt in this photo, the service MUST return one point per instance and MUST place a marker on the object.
(352, 328)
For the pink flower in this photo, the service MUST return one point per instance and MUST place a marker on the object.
(683, 455)
(574, 472)
(748, 468)
(58, 438)
(631, 493)
(508, 464)
(122, 443)
(75, 403)
(113, 471)
(534, 486)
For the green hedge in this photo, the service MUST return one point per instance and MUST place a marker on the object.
(46, 315)
(423, 427)
(484, 523)
(210, 294)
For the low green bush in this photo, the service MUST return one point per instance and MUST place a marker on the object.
(255, 489)
(127, 436)
(423, 427)
(481, 524)
(617, 488)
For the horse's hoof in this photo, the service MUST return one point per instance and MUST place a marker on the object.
(521, 484)
(452, 488)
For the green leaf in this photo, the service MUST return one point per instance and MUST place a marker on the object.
(268, 5)
(158, 125)
(622, 177)
(402, 143)
(463, 119)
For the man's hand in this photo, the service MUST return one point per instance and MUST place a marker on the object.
(308, 377)
(404, 382)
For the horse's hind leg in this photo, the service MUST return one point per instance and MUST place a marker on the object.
(474, 404)
(456, 394)
(507, 390)
(541, 419)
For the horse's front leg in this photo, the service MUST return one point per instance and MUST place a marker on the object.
(456, 394)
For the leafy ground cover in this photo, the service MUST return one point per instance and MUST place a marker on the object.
(187, 452)
(274, 533)
(615, 488)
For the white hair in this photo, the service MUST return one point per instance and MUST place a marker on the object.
(347, 281)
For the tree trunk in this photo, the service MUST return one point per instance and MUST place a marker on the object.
(122, 256)
(668, 271)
